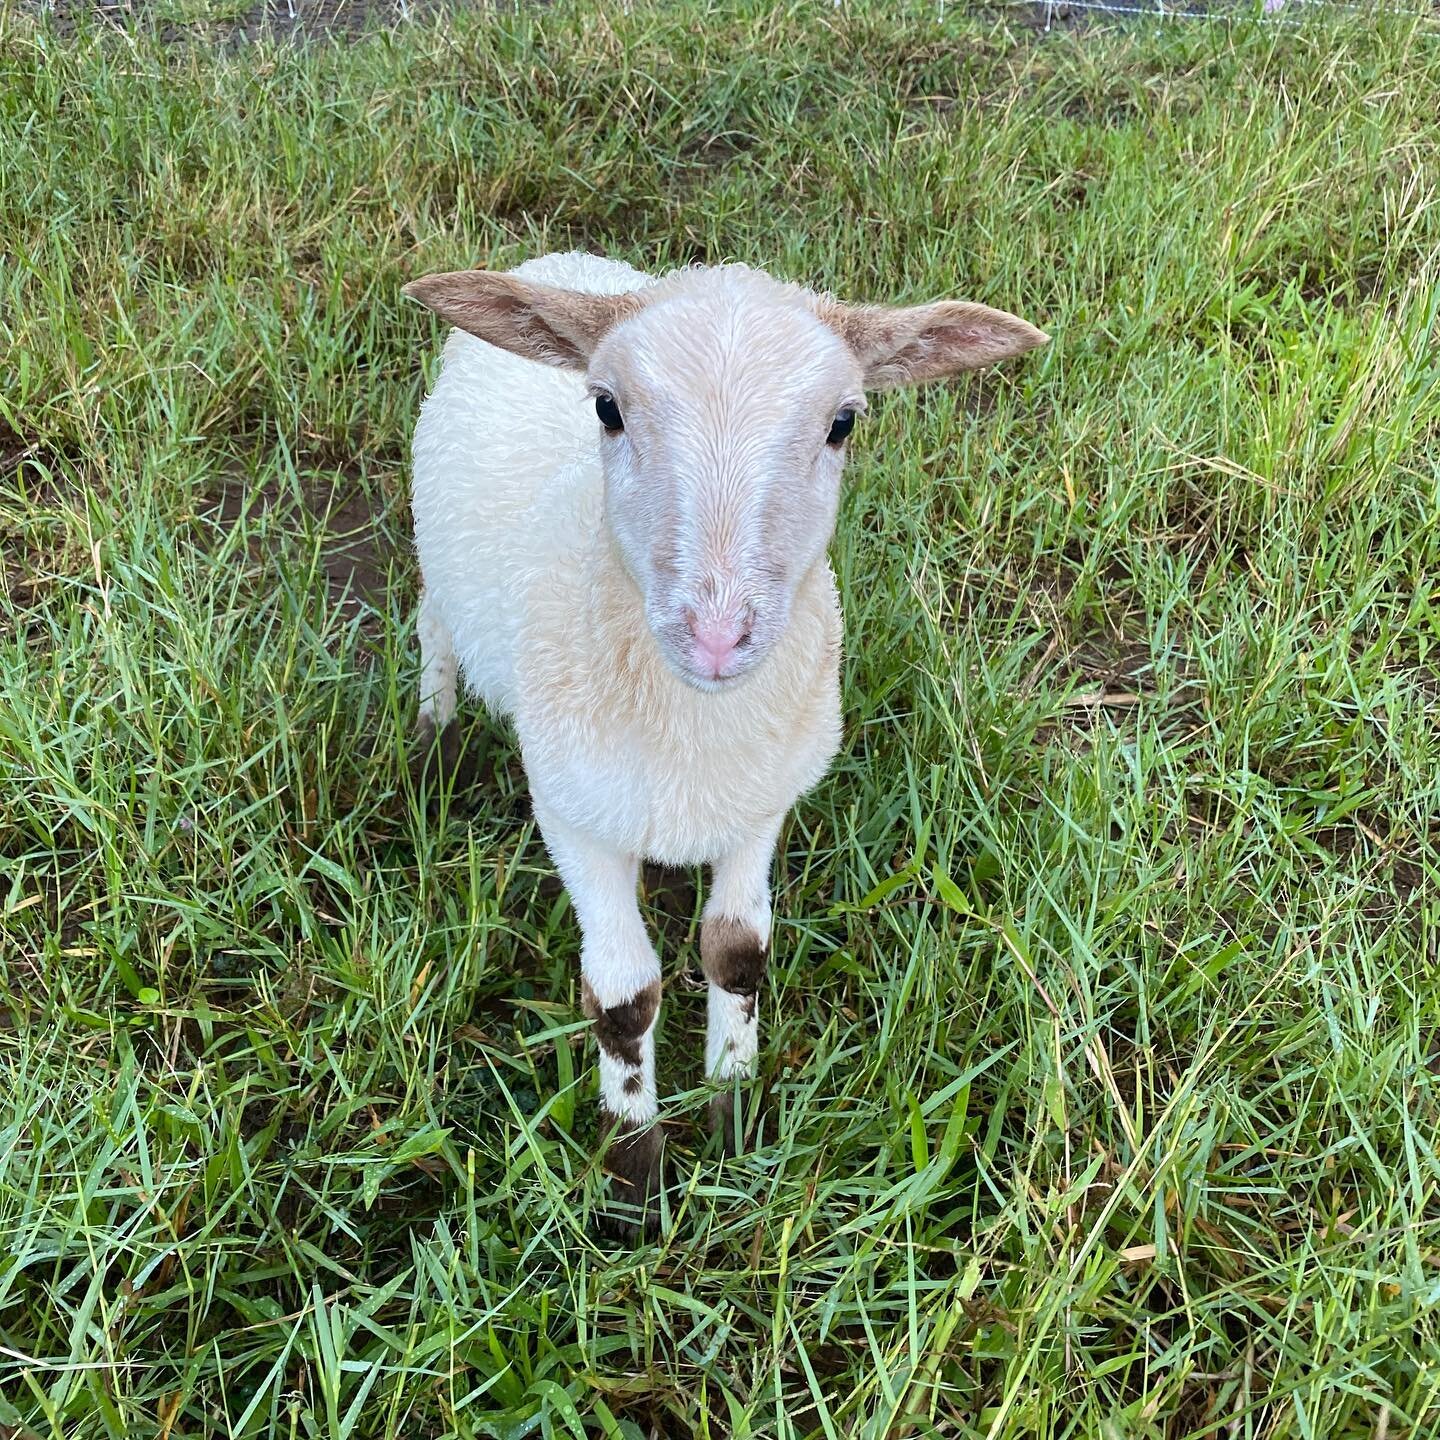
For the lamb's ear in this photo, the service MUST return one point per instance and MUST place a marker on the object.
(905, 345)
(540, 322)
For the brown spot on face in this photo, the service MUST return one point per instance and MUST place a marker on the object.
(620, 1027)
(732, 956)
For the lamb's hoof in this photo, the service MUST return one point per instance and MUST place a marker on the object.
(635, 1165)
(727, 1123)
(441, 760)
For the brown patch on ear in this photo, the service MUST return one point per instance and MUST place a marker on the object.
(732, 955)
(620, 1027)
(907, 345)
(541, 322)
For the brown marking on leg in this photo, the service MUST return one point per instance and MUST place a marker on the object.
(425, 760)
(620, 1027)
(732, 955)
(733, 958)
(634, 1164)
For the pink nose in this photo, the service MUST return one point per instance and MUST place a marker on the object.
(716, 642)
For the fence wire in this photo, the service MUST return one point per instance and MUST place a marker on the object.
(1285, 12)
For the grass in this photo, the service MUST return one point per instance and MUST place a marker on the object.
(1100, 1047)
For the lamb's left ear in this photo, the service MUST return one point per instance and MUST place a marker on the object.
(541, 322)
(905, 345)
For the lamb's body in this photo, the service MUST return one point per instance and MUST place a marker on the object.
(548, 628)
(624, 489)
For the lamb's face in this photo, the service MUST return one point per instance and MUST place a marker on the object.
(722, 411)
(723, 399)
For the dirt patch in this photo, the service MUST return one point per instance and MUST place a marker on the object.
(42, 474)
(19, 593)
(1060, 15)
(13, 449)
(716, 151)
(1101, 647)
(357, 560)
(36, 546)
(357, 557)
(1387, 854)
(1384, 853)
(235, 502)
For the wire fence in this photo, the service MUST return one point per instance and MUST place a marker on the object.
(1285, 12)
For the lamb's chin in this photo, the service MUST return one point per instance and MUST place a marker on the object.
(692, 679)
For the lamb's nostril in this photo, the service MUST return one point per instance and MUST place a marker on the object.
(716, 641)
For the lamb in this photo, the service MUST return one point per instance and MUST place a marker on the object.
(624, 489)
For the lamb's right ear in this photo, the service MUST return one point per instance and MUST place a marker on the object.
(541, 322)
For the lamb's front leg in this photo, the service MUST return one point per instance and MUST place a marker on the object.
(620, 992)
(734, 944)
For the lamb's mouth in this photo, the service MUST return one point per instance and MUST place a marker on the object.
(707, 684)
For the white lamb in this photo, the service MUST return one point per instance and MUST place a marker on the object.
(623, 549)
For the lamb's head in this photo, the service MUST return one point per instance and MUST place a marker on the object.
(723, 401)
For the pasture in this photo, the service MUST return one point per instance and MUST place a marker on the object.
(1100, 1053)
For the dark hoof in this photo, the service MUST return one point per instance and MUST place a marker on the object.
(727, 1123)
(442, 760)
(635, 1166)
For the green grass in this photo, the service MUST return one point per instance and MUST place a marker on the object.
(1100, 1047)
(198, 12)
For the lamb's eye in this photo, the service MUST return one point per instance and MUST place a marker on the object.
(609, 413)
(843, 424)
